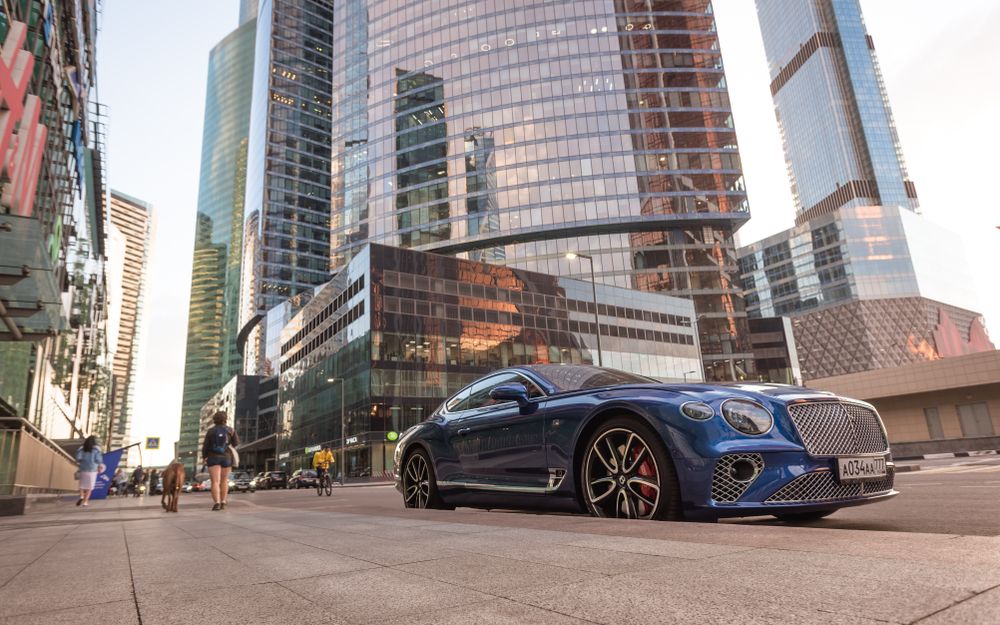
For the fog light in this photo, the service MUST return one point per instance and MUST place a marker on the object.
(743, 471)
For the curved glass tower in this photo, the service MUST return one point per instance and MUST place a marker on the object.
(515, 131)
(212, 357)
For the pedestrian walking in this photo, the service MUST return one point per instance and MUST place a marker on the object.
(220, 440)
(90, 462)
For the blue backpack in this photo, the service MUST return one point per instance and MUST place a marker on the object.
(219, 438)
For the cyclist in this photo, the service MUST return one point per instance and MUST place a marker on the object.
(321, 462)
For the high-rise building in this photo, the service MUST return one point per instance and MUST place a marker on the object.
(517, 131)
(133, 220)
(840, 140)
(53, 209)
(868, 282)
(287, 210)
(212, 357)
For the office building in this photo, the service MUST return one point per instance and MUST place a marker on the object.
(132, 218)
(515, 132)
(212, 357)
(868, 282)
(774, 351)
(287, 210)
(397, 331)
(840, 141)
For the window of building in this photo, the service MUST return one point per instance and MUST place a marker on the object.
(934, 428)
(975, 420)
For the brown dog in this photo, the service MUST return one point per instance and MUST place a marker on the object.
(173, 478)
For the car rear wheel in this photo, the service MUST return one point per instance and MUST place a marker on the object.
(419, 486)
(804, 517)
(627, 473)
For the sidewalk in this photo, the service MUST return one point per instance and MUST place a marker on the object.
(123, 561)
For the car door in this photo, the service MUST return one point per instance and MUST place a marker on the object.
(497, 444)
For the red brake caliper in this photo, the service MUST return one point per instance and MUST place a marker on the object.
(645, 470)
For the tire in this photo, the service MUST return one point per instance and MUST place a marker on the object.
(804, 517)
(418, 479)
(626, 472)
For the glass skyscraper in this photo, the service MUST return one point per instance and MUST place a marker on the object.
(867, 281)
(839, 137)
(212, 358)
(287, 213)
(515, 131)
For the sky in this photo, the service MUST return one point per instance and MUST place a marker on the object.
(152, 74)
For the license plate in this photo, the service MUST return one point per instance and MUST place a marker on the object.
(858, 469)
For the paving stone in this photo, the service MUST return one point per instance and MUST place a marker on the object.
(497, 612)
(377, 595)
(114, 613)
(668, 548)
(260, 604)
(384, 552)
(493, 575)
(305, 565)
(27, 593)
(982, 609)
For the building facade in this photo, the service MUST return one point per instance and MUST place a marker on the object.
(287, 210)
(777, 359)
(517, 131)
(941, 406)
(867, 287)
(212, 357)
(397, 331)
(238, 398)
(840, 141)
(869, 283)
(133, 219)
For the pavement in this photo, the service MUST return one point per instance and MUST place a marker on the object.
(359, 557)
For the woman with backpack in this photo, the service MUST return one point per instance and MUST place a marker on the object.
(90, 461)
(215, 450)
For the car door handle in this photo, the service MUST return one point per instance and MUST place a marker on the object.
(464, 431)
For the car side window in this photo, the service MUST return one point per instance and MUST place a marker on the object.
(533, 391)
(457, 402)
(480, 395)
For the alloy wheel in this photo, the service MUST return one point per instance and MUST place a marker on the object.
(416, 482)
(621, 476)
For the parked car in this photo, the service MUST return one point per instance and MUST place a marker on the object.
(241, 483)
(614, 444)
(273, 479)
(257, 481)
(203, 485)
(303, 478)
(188, 486)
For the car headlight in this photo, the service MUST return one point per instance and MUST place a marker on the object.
(699, 411)
(747, 417)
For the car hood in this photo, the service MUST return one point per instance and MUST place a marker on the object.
(760, 392)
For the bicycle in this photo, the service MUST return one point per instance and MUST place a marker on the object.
(324, 483)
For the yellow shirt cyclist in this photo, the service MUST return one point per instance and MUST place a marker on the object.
(322, 459)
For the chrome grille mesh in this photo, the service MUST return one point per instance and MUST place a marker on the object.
(725, 488)
(835, 428)
(823, 486)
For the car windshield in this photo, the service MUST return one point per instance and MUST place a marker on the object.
(579, 377)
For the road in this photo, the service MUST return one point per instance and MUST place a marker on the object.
(954, 496)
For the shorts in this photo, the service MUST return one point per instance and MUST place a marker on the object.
(219, 461)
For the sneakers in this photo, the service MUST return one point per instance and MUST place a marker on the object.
(216, 508)
(222, 506)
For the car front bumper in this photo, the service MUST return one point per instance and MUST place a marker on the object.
(782, 483)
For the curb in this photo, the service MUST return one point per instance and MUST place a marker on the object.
(955, 454)
(907, 468)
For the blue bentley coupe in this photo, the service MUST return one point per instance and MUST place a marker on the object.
(582, 438)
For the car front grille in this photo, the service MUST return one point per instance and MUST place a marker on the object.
(823, 486)
(838, 428)
(725, 487)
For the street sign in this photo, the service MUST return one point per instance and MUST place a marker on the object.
(313, 449)
(152, 442)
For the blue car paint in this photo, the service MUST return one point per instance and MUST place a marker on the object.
(694, 446)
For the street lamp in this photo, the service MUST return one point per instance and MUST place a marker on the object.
(593, 286)
(343, 432)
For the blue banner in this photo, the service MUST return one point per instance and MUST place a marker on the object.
(111, 460)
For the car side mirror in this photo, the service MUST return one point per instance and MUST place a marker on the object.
(514, 391)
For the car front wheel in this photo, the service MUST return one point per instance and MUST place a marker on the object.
(627, 473)
(419, 486)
